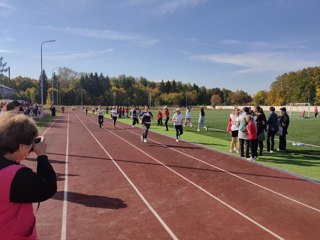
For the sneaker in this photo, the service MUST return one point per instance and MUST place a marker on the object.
(177, 140)
(145, 140)
(141, 139)
(132, 126)
(198, 130)
(207, 129)
(237, 151)
(250, 158)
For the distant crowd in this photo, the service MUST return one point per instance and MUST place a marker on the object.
(250, 128)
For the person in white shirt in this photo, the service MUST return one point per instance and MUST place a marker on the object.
(100, 116)
(177, 119)
(234, 130)
(188, 117)
(114, 114)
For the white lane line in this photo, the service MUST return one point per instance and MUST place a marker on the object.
(65, 190)
(166, 227)
(237, 176)
(200, 188)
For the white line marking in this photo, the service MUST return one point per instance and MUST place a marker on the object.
(239, 177)
(132, 185)
(65, 190)
(200, 188)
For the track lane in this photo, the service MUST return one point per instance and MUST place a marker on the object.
(49, 215)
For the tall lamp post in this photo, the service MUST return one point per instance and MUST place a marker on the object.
(41, 75)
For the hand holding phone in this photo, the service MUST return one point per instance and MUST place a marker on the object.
(39, 146)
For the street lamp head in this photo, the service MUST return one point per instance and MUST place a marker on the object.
(48, 41)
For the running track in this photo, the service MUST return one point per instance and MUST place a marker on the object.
(112, 186)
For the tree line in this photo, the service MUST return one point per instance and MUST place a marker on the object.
(72, 88)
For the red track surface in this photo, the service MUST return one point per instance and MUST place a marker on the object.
(112, 186)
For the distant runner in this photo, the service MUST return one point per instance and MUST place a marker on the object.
(177, 119)
(114, 114)
(145, 118)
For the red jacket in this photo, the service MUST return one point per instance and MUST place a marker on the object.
(252, 131)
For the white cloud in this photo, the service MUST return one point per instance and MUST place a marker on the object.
(5, 8)
(5, 51)
(108, 34)
(163, 7)
(77, 55)
(261, 61)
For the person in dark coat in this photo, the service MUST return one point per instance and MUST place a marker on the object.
(284, 121)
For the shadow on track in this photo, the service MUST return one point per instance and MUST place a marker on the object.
(93, 201)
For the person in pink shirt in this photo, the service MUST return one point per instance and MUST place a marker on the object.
(20, 186)
(252, 137)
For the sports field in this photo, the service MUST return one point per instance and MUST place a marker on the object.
(303, 160)
(113, 186)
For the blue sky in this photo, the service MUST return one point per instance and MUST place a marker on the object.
(214, 43)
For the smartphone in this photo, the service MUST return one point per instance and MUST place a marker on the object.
(37, 140)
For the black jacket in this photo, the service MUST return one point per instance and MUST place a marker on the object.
(28, 186)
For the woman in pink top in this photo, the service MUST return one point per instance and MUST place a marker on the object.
(252, 137)
(20, 186)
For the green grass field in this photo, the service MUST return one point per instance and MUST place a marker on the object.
(302, 160)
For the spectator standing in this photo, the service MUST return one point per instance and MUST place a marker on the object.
(261, 121)
(284, 123)
(177, 119)
(53, 110)
(252, 137)
(201, 121)
(234, 130)
(243, 133)
(315, 111)
(13, 106)
(272, 128)
(20, 186)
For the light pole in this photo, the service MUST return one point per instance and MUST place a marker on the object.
(9, 72)
(52, 98)
(41, 75)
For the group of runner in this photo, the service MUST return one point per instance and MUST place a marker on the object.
(146, 117)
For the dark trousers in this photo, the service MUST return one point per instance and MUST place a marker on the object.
(166, 123)
(253, 147)
(159, 121)
(100, 120)
(270, 139)
(244, 147)
(114, 120)
(179, 130)
(135, 121)
(282, 142)
(146, 130)
(260, 143)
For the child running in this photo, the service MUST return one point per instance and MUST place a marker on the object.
(134, 116)
(177, 119)
(114, 115)
(145, 118)
(188, 117)
(100, 116)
